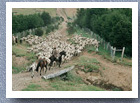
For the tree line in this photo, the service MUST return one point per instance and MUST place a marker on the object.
(114, 25)
(25, 22)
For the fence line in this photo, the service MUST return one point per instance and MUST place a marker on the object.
(106, 45)
(32, 31)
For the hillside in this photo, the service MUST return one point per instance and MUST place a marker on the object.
(92, 72)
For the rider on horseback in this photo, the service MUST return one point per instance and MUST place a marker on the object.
(55, 53)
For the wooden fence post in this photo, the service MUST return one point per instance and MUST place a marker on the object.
(104, 44)
(111, 51)
(122, 53)
(107, 46)
(114, 53)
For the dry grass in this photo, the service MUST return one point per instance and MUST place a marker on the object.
(27, 11)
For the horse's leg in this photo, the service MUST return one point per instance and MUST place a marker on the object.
(60, 64)
(50, 65)
(37, 68)
(46, 69)
(40, 71)
(32, 74)
(60, 61)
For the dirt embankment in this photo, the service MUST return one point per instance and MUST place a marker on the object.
(110, 75)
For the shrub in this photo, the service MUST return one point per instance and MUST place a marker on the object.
(51, 28)
(71, 28)
(39, 32)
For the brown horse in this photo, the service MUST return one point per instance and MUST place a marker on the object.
(42, 63)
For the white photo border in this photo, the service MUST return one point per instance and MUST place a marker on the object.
(71, 94)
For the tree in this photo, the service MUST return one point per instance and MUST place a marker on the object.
(46, 18)
(114, 25)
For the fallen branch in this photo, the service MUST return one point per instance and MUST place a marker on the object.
(53, 75)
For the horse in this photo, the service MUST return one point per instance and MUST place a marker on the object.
(42, 63)
(58, 60)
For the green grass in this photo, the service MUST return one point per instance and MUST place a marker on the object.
(73, 83)
(126, 63)
(70, 86)
(89, 67)
(20, 51)
(33, 87)
(84, 59)
(84, 34)
(73, 77)
(106, 55)
(104, 68)
(17, 69)
(90, 49)
(66, 66)
(89, 64)
(102, 51)
(91, 88)
(116, 89)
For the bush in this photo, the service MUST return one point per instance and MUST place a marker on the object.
(48, 31)
(71, 29)
(51, 28)
(39, 32)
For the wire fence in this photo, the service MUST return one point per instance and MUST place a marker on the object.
(106, 45)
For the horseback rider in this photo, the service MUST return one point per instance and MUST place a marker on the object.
(55, 53)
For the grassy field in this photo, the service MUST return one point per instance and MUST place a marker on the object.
(71, 83)
(20, 58)
(27, 11)
(33, 87)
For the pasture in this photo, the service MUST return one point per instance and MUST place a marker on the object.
(27, 11)
(94, 70)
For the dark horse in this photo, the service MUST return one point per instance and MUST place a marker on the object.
(58, 60)
(41, 63)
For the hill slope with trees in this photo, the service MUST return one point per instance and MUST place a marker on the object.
(114, 25)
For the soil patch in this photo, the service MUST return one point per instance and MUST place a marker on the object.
(19, 61)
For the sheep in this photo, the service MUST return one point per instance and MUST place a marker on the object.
(43, 47)
(32, 68)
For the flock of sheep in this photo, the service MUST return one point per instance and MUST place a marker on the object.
(43, 47)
